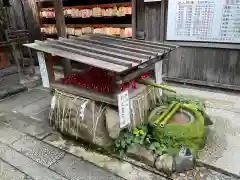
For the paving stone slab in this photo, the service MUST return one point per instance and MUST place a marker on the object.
(75, 169)
(9, 70)
(39, 130)
(38, 150)
(9, 79)
(202, 173)
(22, 99)
(15, 120)
(115, 166)
(11, 89)
(28, 178)
(213, 98)
(33, 169)
(42, 116)
(26, 124)
(223, 145)
(8, 172)
(35, 107)
(9, 135)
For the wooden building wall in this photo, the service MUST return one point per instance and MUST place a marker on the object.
(22, 15)
(194, 63)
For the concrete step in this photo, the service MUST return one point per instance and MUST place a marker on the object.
(11, 89)
(8, 71)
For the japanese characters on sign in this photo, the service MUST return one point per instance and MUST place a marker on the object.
(124, 108)
(204, 20)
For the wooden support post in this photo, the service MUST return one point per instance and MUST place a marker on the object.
(134, 19)
(3, 60)
(61, 31)
(162, 16)
(15, 54)
(49, 63)
(160, 65)
(31, 61)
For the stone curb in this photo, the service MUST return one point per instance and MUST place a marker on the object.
(6, 91)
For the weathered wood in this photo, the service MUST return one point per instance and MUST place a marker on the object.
(112, 49)
(94, 55)
(16, 57)
(134, 18)
(99, 50)
(84, 50)
(90, 6)
(196, 61)
(142, 47)
(96, 96)
(153, 21)
(140, 71)
(146, 44)
(61, 31)
(206, 64)
(202, 83)
(60, 19)
(135, 74)
(138, 41)
(162, 25)
(205, 45)
(140, 15)
(78, 58)
(50, 70)
(136, 50)
(83, 92)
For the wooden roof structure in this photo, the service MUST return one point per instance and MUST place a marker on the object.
(112, 53)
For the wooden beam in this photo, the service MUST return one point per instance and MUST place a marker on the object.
(134, 18)
(202, 83)
(86, 93)
(61, 31)
(162, 16)
(78, 58)
(50, 70)
(60, 19)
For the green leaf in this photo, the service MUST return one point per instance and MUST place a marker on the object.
(123, 144)
(157, 145)
(148, 140)
(152, 147)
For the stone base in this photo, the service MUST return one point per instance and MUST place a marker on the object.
(31, 81)
(11, 89)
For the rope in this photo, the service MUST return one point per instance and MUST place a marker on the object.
(141, 103)
(96, 122)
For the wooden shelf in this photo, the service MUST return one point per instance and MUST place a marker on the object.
(92, 20)
(95, 5)
(92, 25)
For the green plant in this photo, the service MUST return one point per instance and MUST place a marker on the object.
(170, 138)
(128, 138)
(169, 98)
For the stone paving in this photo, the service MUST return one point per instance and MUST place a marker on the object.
(31, 150)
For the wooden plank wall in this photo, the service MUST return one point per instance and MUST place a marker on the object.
(216, 67)
(22, 15)
(149, 21)
(32, 18)
(213, 66)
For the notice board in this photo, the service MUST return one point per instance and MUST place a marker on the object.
(204, 20)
